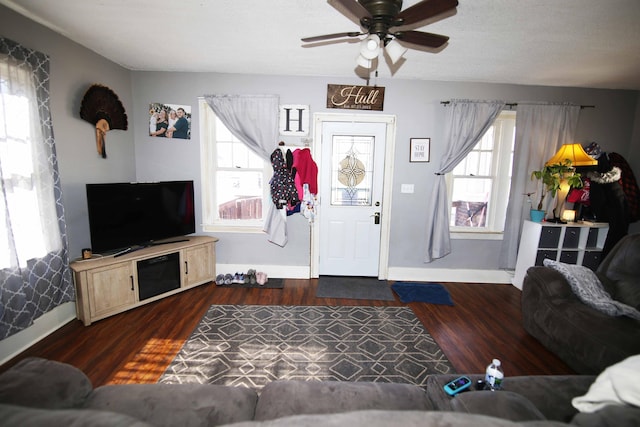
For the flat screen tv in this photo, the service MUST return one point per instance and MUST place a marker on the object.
(127, 215)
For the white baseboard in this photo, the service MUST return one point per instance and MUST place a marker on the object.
(450, 275)
(42, 326)
(394, 273)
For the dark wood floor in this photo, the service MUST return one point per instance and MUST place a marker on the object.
(137, 346)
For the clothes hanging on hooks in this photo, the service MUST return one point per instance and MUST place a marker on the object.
(294, 163)
(305, 173)
(283, 188)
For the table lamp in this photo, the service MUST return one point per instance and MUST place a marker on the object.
(573, 152)
(578, 157)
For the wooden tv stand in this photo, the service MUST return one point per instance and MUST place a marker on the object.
(110, 285)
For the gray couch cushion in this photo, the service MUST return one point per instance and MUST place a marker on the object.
(284, 398)
(501, 404)
(20, 416)
(42, 383)
(609, 416)
(177, 404)
(619, 271)
(374, 418)
(550, 394)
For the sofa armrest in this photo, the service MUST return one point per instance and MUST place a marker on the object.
(548, 282)
(42, 383)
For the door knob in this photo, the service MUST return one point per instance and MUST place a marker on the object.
(376, 218)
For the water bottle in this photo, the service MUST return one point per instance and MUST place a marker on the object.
(494, 376)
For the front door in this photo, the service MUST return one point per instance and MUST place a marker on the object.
(351, 196)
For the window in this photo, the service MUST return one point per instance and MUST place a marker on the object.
(28, 202)
(479, 185)
(34, 259)
(234, 179)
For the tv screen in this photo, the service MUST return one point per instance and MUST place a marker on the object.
(123, 215)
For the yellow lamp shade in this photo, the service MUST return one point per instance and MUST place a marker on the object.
(573, 152)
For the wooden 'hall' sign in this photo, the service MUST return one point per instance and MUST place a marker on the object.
(355, 97)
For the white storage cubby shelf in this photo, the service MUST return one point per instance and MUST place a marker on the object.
(572, 243)
(112, 284)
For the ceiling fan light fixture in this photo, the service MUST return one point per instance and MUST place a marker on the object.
(364, 62)
(395, 50)
(370, 46)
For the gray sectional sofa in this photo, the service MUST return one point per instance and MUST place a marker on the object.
(39, 392)
(586, 339)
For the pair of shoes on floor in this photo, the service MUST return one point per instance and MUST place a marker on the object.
(238, 278)
(261, 278)
(251, 276)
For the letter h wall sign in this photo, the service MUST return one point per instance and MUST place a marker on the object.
(294, 120)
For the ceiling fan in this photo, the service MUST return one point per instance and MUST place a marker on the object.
(384, 22)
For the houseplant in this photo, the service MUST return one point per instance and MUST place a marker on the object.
(552, 177)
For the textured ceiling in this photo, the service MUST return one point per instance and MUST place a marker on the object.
(582, 43)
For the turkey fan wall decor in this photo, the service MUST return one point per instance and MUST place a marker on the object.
(388, 28)
(102, 108)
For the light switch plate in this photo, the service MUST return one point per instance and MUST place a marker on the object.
(406, 188)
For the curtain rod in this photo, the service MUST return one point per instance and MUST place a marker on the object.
(515, 104)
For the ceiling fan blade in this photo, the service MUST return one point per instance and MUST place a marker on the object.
(424, 10)
(351, 9)
(422, 38)
(331, 36)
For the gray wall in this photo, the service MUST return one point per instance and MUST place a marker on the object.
(132, 155)
(419, 114)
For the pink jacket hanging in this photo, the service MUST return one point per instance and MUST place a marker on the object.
(306, 171)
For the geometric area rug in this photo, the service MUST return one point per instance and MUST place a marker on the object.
(252, 345)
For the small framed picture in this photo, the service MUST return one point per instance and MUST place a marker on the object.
(419, 150)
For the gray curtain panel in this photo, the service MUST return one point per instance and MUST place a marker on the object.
(541, 129)
(34, 273)
(465, 123)
(253, 119)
